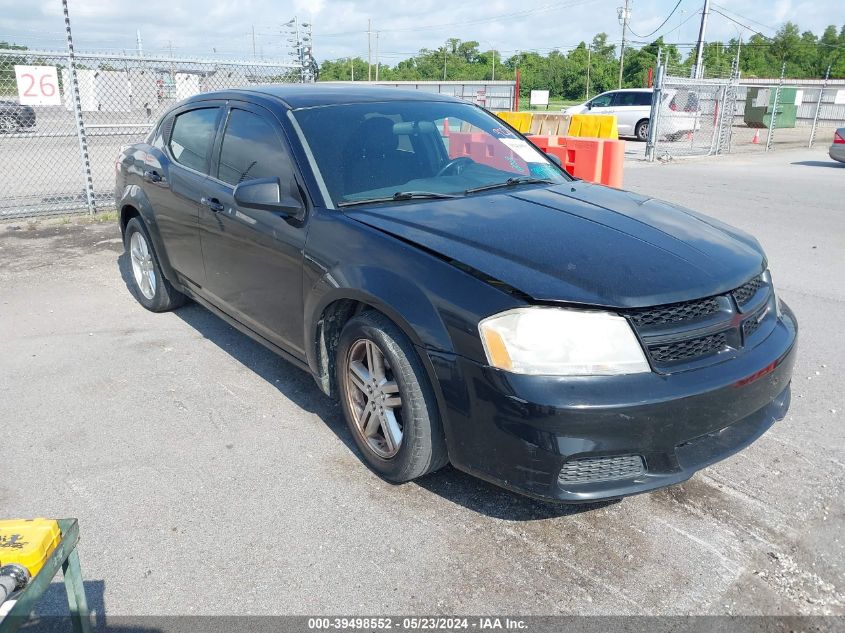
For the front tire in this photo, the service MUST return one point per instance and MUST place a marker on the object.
(641, 130)
(146, 282)
(387, 400)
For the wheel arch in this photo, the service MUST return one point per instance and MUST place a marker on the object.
(328, 313)
(134, 203)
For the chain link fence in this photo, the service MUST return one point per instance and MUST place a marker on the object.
(700, 117)
(44, 169)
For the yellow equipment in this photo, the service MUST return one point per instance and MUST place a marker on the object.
(28, 542)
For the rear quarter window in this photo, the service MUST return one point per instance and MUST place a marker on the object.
(643, 99)
(192, 136)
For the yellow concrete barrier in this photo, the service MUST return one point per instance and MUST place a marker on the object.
(593, 126)
(550, 124)
(519, 120)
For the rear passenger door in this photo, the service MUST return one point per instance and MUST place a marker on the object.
(253, 258)
(631, 108)
(175, 194)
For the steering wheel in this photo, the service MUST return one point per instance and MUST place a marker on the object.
(457, 164)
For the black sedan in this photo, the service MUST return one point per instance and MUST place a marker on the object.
(15, 117)
(462, 296)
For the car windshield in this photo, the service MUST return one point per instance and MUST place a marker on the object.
(417, 149)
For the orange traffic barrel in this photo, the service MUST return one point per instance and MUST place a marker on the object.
(613, 162)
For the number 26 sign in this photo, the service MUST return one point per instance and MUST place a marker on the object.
(38, 85)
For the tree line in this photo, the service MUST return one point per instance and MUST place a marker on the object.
(565, 74)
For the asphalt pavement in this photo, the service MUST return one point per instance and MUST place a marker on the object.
(210, 477)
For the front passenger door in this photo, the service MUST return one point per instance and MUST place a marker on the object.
(603, 104)
(253, 258)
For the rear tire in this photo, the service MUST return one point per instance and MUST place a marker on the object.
(146, 282)
(388, 402)
(8, 124)
(641, 130)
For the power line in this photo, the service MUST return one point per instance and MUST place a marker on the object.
(661, 25)
(745, 26)
(746, 18)
(494, 18)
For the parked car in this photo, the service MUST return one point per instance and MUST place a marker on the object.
(561, 339)
(837, 148)
(632, 108)
(14, 117)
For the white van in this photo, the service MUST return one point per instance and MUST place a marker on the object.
(632, 107)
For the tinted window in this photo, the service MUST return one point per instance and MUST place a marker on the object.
(251, 149)
(602, 101)
(157, 137)
(633, 99)
(644, 98)
(193, 133)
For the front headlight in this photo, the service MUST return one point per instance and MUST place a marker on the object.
(561, 342)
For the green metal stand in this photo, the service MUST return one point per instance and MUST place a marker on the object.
(66, 558)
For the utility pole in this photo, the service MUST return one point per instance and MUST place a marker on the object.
(445, 52)
(624, 14)
(589, 62)
(378, 63)
(494, 66)
(139, 44)
(253, 41)
(352, 69)
(699, 51)
(369, 50)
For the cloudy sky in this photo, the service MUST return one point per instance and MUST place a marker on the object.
(225, 27)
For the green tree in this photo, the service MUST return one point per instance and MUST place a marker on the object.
(8, 84)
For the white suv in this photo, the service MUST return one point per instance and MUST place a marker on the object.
(632, 108)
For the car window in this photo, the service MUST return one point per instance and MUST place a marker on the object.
(192, 136)
(251, 149)
(643, 99)
(602, 101)
(158, 136)
(369, 150)
(631, 99)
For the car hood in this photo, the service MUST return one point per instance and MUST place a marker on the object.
(579, 243)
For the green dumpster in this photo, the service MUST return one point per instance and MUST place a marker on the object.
(760, 104)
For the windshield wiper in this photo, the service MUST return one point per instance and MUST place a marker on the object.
(399, 196)
(512, 182)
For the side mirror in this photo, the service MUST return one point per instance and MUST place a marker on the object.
(589, 105)
(266, 194)
(555, 159)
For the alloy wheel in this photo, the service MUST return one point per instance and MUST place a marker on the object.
(7, 124)
(374, 399)
(142, 265)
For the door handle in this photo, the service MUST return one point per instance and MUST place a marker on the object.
(212, 203)
(152, 176)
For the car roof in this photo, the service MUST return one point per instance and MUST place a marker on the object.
(296, 96)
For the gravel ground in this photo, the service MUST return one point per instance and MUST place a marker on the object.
(210, 477)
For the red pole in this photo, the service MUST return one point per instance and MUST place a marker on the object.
(650, 76)
(516, 93)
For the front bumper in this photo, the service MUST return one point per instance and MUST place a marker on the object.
(520, 431)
